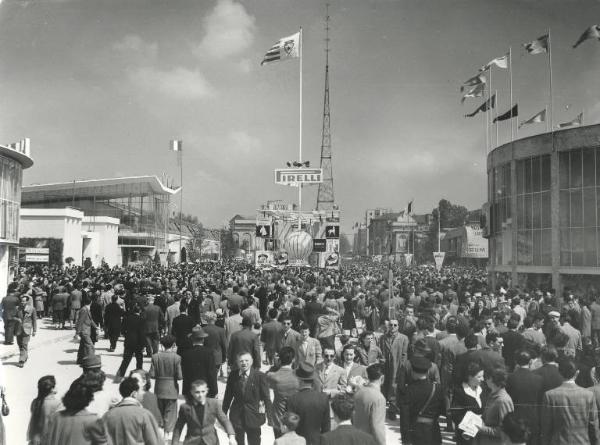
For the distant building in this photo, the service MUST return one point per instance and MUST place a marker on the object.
(465, 246)
(396, 233)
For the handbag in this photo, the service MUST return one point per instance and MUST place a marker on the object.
(5, 408)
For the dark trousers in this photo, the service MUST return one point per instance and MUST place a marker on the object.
(23, 342)
(168, 411)
(151, 343)
(9, 330)
(86, 347)
(127, 356)
(113, 337)
(253, 435)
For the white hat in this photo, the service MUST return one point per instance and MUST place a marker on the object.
(502, 290)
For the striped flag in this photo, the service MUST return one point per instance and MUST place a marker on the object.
(176, 145)
(285, 48)
(593, 32)
(535, 119)
(476, 91)
(537, 46)
(500, 62)
(473, 81)
(487, 105)
(575, 122)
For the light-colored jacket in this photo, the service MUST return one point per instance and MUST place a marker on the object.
(569, 416)
(369, 412)
(127, 423)
(332, 383)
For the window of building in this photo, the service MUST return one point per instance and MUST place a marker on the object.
(579, 198)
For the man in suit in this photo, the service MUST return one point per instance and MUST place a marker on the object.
(271, 336)
(369, 405)
(84, 330)
(153, 321)
(113, 315)
(463, 360)
(26, 328)
(182, 328)
(309, 349)
(216, 340)
(289, 336)
(133, 330)
(165, 369)
(513, 341)
(312, 406)
(200, 414)
(247, 399)
(450, 347)
(330, 378)
(394, 346)
(569, 414)
(551, 378)
(284, 384)
(10, 304)
(244, 341)
(488, 357)
(526, 389)
(346, 434)
(198, 363)
(59, 304)
(172, 312)
(74, 303)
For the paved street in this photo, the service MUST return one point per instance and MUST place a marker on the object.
(54, 353)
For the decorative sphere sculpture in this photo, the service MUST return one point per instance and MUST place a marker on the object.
(299, 245)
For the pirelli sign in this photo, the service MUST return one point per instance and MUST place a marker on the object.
(297, 176)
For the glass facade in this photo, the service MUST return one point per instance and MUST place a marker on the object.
(534, 236)
(579, 196)
(499, 185)
(11, 173)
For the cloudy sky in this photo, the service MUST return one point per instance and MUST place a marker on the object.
(101, 86)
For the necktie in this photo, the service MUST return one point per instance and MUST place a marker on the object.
(244, 379)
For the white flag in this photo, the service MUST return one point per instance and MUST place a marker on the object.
(500, 62)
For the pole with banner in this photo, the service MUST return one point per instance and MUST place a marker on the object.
(177, 146)
(438, 256)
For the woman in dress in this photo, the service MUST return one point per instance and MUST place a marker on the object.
(42, 407)
(467, 397)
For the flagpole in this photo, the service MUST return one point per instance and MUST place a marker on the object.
(300, 136)
(488, 116)
(496, 108)
(180, 155)
(551, 95)
(510, 73)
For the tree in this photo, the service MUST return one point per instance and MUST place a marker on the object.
(227, 244)
(452, 215)
(345, 246)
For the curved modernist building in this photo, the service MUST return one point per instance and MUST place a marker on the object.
(14, 158)
(543, 217)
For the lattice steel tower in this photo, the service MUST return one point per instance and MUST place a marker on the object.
(325, 196)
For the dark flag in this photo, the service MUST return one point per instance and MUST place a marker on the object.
(513, 112)
(593, 32)
(487, 105)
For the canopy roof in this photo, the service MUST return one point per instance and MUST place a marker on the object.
(108, 188)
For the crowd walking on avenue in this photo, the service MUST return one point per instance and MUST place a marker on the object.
(321, 356)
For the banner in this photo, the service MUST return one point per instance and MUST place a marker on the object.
(408, 259)
(319, 245)
(281, 258)
(263, 258)
(333, 245)
(439, 259)
(329, 260)
(296, 176)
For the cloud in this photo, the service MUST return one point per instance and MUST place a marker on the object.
(240, 141)
(229, 30)
(133, 43)
(179, 83)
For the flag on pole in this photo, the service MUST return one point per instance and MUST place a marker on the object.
(476, 91)
(500, 62)
(514, 111)
(176, 145)
(487, 105)
(285, 48)
(535, 119)
(473, 81)
(593, 32)
(409, 207)
(537, 46)
(575, 122)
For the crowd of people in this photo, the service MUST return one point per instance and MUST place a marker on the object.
(340, 351)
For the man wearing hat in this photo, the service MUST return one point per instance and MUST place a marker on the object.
(244, 341)
(424, 404)
(198, 363)
(312, 406)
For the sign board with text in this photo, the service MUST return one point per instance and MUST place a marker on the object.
(297, 176)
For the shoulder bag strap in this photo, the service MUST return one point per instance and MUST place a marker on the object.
(433, 388)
